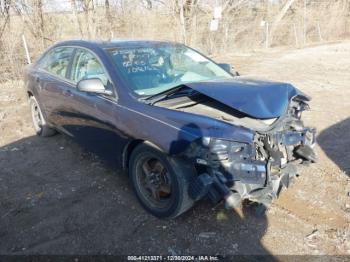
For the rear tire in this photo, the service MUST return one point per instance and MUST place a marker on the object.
(160, 181)
(40, 125)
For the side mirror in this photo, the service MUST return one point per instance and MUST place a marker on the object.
(227, 68)
(93, 85)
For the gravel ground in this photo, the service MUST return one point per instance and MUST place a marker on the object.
(57, 198)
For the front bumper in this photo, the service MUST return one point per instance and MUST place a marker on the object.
(259, 176)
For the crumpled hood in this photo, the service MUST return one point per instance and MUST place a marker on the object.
(256, 98)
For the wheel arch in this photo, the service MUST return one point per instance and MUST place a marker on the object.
(131, 145)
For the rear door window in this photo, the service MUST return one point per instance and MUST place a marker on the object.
(57, 60)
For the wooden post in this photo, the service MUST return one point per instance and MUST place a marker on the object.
(296, 35)
(267, 35)
(319, 31)
(26, 49)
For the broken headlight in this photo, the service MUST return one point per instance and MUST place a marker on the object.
(297, 107)
(219, 149)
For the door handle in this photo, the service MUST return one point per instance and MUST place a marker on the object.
(67, 93)
(37, 80)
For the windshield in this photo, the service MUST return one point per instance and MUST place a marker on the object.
(152, 70)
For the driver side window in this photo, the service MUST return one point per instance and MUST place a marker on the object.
(87, 66)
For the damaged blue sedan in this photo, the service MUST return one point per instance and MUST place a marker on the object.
(185, 127)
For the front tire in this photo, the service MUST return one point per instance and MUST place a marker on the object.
(40, 125)
(160, 181)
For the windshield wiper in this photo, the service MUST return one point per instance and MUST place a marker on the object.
(165, 94)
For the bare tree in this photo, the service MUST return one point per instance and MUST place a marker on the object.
(231, 5)
(109, 18)
(88, 7)
(39, 20)
(185, 10)
(279, 17)
(76, 17)
(5, 12)
(148, 4)
(33, 18)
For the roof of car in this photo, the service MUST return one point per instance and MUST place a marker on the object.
(113, 43)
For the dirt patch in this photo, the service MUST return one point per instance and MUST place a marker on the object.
(52, 192)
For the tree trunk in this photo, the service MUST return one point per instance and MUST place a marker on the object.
(77, 20)
(182, 21)
(39, 21)
(5, 11)
(109, 19)
(279, 17)
(87, 5)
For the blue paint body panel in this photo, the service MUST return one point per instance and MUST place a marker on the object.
(121, 119)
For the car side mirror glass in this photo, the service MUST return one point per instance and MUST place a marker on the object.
(93, 85)
(226, 67)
